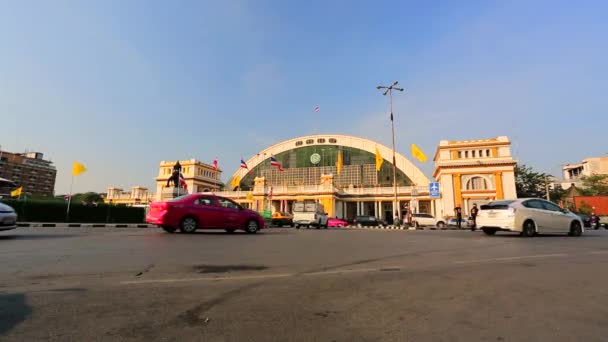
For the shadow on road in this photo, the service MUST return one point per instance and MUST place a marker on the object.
(35, 236)
(13, 310)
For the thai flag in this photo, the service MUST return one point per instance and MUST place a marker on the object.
(243, 164)
(274, 162)
(215, 164)
(182, 182)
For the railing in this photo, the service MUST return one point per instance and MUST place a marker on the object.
(312, 189)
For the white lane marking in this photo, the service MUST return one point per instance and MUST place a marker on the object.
(342, 271)
(599, 252)
(556, 255)
(265, 276)
(180, 280)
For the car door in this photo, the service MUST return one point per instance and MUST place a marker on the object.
(230, 213)
(536, 211)
(559, 221)
(206, 212)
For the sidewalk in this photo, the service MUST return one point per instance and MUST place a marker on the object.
(86, 225)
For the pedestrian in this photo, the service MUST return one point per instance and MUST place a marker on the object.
(458, 217)
(474, 212)
(396, 220)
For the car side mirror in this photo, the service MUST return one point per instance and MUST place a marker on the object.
(565, 211)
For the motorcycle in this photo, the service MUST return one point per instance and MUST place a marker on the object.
(595, 222)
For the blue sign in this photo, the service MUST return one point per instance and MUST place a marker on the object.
(434, 190)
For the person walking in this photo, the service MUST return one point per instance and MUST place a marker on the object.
(474, 212)
(458, 217)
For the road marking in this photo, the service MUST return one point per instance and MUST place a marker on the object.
(181, 280)
(556, 255)
(599, 252)
(263, 276)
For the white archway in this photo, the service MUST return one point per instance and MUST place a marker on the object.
(403, 164)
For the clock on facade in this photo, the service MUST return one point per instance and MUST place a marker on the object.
(315, 158)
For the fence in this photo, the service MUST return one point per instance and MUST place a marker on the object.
(50, 211)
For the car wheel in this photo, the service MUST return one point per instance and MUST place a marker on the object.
(440, 224)
(252, 227)
(169, 229)
(188, 225)
(230, 231)
(529, 229)
(297, 226)
(575, 229)
(489, 231)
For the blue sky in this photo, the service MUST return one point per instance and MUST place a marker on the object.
(122, 85)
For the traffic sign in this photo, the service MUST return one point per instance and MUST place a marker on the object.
(434, 190)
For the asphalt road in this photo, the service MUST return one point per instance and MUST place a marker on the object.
(83, 284)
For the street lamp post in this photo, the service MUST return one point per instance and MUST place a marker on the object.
(389, 91)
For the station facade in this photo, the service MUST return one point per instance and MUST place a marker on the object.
(469, 172)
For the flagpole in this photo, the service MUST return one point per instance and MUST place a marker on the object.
(67, 214)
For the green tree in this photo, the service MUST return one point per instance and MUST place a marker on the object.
(529, 183)
(595, 185)
(585, 208)
(87, 198)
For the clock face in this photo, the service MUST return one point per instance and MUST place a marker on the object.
(315, 158)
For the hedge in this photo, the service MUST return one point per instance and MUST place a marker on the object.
(52, 211)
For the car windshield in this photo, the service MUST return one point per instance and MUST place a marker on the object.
(497, 205)
(179, 198)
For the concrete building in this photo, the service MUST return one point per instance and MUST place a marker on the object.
(199, 177)
(469, 172)
(30, 171)
(474, 171)
(138, 195)
(573, 173)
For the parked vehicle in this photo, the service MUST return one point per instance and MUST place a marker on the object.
(594, 222)
(367, 221)
(282, 219)
(336, 222)
(528, 216)
(203, 211)
(453, 222)
(422, 219)
(309, 214)
(8, 217)
(585, 218)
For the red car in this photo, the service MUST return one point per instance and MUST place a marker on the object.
(335, 222)
(203, 211)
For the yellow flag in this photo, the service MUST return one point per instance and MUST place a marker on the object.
(250, 196)
(418, 154)
(17, 192)
(339, 163)
(379, 160)
(236, 181)
(78, 169)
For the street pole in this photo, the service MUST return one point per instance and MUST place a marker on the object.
(547, 188)
(389, 91)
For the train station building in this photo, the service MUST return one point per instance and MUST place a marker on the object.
(339, 171)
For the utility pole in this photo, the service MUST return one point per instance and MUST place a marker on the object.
(389, 91)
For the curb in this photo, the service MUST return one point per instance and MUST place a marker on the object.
(402, 228)
(84, 225)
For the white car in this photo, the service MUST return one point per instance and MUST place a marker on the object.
(422, 219)
(528, 216)
(8, 217)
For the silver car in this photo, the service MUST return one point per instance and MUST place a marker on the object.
(8, 217)
(528, 216)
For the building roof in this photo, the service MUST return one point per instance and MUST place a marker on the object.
(402, 163)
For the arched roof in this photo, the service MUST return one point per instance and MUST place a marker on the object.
(370, 146)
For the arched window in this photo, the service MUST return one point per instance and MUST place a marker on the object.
(477, 183)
